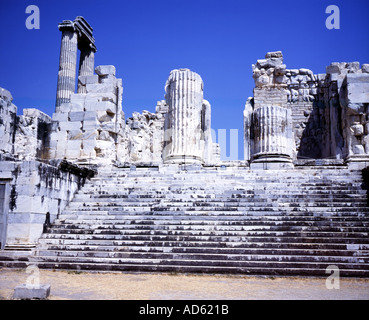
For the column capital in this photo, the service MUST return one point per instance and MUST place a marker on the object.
(66, 25)
(85, 37)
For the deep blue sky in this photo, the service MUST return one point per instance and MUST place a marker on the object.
(146, 39)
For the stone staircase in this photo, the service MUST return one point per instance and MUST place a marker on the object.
(233, 221)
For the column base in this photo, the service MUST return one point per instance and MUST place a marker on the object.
(183, 160)
(271, 162)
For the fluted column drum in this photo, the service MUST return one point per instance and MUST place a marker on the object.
(86, 66)
(67, 66)
(271, 133)
(184, 96)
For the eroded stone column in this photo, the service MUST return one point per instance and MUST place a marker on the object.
(184, 96)
(67, 63)
(86, 66)
(268, 119)
(206, 131)
(271, 136)
(86, 45)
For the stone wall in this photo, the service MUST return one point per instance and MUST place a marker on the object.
(306, 112)
(318, 106)
(36, 188)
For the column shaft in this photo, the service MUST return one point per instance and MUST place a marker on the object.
(86, 66)
(184, 95)
(271, 132)
(67, 67)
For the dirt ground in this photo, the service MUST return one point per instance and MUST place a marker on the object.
(128, 286)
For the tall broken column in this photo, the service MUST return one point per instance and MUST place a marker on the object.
(269, 142)
(184, 96)
(76, 35)
(67, 63)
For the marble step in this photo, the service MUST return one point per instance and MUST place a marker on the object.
(312, 237)
(271, 270)
(146, 244)
(225, 197)
(308, 250)
(222, 224)
(165, 216)
(127, 256)
(262, 263)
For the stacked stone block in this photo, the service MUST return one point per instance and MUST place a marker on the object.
(307, 115)
(90, 127)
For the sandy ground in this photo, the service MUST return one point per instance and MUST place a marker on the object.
(128, 286)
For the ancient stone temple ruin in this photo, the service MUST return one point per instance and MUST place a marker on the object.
(89, 189)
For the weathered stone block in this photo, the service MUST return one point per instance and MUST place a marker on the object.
(76, 116)
(102, 96)
(105, 70)
(101, 88)
(91, 79)
(68, 126)
(27, 292)
(274, 54)
(76, 107)
(353, 67)
(90, 135)
(358, 88)
(90, 126)
(75, 135)
(60, 116)
(359, 149)
(6, 95)
(358, 130)
(333, 68)
(89, 116)
(63, 108)
(270, 63)
(109, 79)
(99, 106)
(365, 68)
